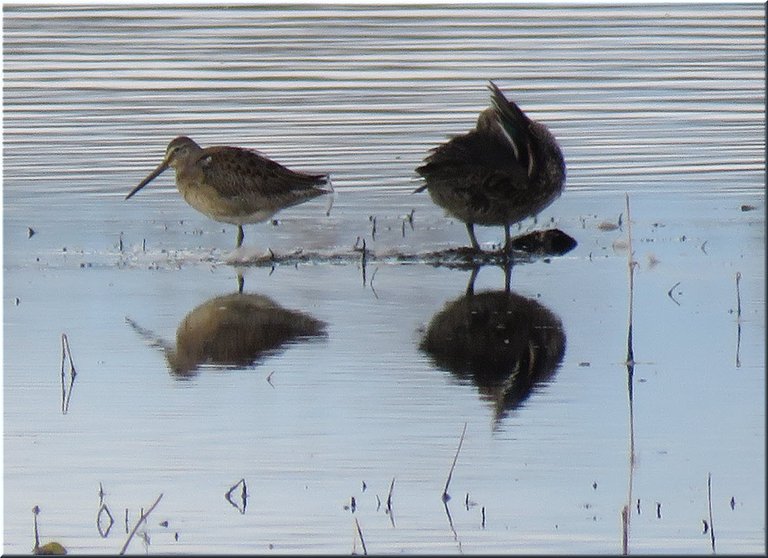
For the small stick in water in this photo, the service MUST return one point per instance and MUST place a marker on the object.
(670, 295)
(446, 497)
(625, 530)
(372, 219)
(243, 496)
(738, 319)
(389, 511)
(141, 520)
(66, 393)
(389, 496)
(360, 533)
(709, 502)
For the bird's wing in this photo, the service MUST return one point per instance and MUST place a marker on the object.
(234, 172)
(514, 126)
(479, 151)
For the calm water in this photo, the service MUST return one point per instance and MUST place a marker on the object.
(341, 379)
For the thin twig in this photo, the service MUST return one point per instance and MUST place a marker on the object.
(66, 393)
(389, 511)
(363, 259)
(631, 266)
(142, 519)
(624, 530)
(36, 510)
(450, 523)
(243, 495)
(711, 520)
(373, 227)
(738, 319)
(626, 515)
(371, 282)
(63, 374)
(360, 533)
(446, 497)
(65, 343)
(669, 293)
(104, 532)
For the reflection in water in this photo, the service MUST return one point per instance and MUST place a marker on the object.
(66, 390)
(242, 503)
(233, 330)
(626, 514)
(503, 342)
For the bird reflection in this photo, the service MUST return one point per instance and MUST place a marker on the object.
(503, 342)
(234, 330)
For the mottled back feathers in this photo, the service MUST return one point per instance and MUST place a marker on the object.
(506, 169)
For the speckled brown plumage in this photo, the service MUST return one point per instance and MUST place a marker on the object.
(235, 185)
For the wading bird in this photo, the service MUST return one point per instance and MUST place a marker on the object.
(235, 185)
(508, 168)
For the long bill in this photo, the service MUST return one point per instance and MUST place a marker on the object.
(154, 174)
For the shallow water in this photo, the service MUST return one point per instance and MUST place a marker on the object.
(664, 104)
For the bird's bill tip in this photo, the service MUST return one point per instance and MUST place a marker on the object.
(154, 174)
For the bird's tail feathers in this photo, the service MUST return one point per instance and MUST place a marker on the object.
(514, 124)
(509, 112)
(325, 180)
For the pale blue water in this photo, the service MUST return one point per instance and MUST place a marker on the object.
(665, 103)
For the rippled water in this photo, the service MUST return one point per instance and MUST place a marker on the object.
(335, 379)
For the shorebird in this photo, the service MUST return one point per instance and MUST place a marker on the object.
(508, 168)
(238, 329)
(505, 343)
(235, 185)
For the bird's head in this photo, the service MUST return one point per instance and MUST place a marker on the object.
(176, 154)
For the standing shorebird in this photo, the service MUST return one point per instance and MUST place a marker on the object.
(506, 169)
(235, 185)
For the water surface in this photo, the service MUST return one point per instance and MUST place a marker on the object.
(663, 104)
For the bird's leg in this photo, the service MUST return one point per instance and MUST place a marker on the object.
(240, 236)
(507, 274)
(471, 283)
(508, 257)
(471, 231)
(507, 239)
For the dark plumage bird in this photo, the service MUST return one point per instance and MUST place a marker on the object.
(506, 169)
(504, 342)
(235, 185)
